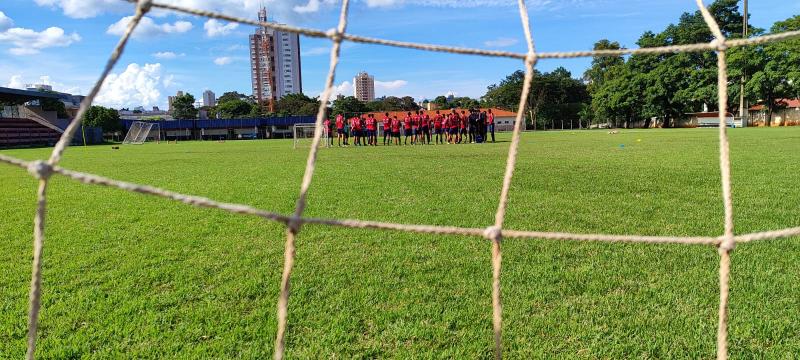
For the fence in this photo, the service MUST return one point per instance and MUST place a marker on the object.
(43, 170)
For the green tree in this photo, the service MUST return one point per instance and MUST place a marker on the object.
(407, 103)
(348, 106)
(183, 107)
(297, 104)
(231, 95)
(236, 108)
(103, 117)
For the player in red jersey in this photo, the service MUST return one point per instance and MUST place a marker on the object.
(490, 123)
(372, 130)
(407, 129)
(415, 128)
(395, 131)
(387, 129)
(455, 122)
(437, 127)
(424, 127)
(356, 126)
(340, 129)
(463, 126)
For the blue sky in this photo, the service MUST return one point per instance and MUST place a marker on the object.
(66, 42)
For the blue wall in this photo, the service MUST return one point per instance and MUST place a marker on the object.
(228, 123)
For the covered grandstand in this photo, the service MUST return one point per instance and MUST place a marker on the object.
(26, 125)
(227, 129)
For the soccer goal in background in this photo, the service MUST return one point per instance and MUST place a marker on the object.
(303, 135)
(141, 131)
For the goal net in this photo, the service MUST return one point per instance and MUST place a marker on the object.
(303, 135)
(141, 131)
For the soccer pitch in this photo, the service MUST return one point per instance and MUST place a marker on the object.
(128, 275)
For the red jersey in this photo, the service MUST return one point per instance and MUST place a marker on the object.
(386, 124)
(356, 124)
(426, 121)
(339, 122)
(454, 120)
(371, 124)
(415, 120)
(395, 125)
(407, 122)
(490, 119)
(464, 121)
(437, 121)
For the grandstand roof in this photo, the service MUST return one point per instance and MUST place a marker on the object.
(20, 96)
(790, 103)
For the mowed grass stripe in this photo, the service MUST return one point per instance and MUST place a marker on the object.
(128, 275)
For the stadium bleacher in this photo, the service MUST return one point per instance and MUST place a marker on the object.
(17, 132)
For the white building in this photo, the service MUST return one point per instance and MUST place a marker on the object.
(364, 87)
(274, 63)
(209, 98)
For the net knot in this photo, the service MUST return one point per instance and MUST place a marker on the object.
(727, 245)
(40, 169)
(145, 5)
(719, 44)
(334, 34)
(531, 58)
(293, 224)
(494, 233)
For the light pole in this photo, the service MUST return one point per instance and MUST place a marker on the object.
(742, 105)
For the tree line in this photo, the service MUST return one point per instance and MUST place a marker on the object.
(635, 90)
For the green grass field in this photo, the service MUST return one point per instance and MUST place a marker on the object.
(127, 275)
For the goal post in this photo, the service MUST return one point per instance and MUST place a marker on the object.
(141, 131)
(303, 136)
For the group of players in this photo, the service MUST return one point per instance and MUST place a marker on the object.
(450, 127)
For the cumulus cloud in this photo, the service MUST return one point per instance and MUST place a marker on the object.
(345, 88)
(225, 60)
(29, 42)
(16, 82)
(501, 42)
(5, 22)
(167, 55)
(83, 9)
(311, 6)
(149, 28)
(215, 27)
(390, 85)
(135, 86)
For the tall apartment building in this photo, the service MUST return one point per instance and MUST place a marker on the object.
(364, 86)
(274, 63)
(209, 98)
(170, 99)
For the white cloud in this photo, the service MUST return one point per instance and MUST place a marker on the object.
(225, 60)
(389, 85)
(312, 6)
(29, 42)
(135, 86)
(345, 88)
(16, 82)
(167, 55)
(501, 42)
(169, 81)
(5, 22)
(149, 28)
(83, 9)
(283, 10)
(215, 27)
(315, 51)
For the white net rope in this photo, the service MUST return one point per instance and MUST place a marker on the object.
(43, 170)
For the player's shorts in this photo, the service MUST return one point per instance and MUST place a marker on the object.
(340, 131)
(407, 132)
(454, 131)
(396, 134)
(370, 133)
(438, 131)
(414, 131)
(425, 130)
(463, 130)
